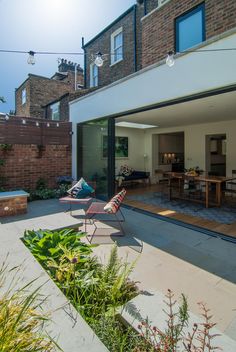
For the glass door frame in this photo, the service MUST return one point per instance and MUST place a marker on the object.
(110, 156)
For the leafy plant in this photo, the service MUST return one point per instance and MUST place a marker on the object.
(46, 245)
(21, 324)
(174, 336)
(5, 147)
(41, 184)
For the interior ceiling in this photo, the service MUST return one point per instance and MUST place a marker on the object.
(211, 109)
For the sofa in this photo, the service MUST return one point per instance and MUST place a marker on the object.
(133, 177)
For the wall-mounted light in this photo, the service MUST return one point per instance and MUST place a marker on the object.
(99, 59)
(58, 124)
(37, 124)
(31, 58)
(71, 132)
(170, 61)
(24, 122)
(48, 124)
(7, 117)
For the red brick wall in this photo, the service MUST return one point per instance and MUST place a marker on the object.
(158, 34)
(25, 164)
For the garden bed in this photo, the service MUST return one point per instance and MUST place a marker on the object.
(99, 291)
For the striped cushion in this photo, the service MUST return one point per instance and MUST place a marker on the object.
(113, 205)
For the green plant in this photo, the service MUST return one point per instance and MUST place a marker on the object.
(21, 324)
(115, 335)
(46, 245)
(5, 147)
(45, 193)
(174, 337)
(41, 184)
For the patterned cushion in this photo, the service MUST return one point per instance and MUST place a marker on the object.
(113, 205)
(80, 190)
(125, 170)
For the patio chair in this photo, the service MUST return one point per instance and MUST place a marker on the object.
(69, 199)
(102, 212)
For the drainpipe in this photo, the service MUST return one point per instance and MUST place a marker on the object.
(85, 65)
(145, 7)
(135, 38)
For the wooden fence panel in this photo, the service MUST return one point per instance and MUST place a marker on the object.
(25, 130)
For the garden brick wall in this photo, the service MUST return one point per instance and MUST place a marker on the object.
(158, 33)
(25, 164)
(13, 206)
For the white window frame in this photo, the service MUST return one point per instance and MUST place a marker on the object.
(93, 78)
(23, 96)
(55, 108)
(113, 48)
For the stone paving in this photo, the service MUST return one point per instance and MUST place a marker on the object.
(168, 256)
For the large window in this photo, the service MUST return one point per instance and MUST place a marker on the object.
(23, 96)
(117, 46)
(93, 75)
(190, 28)
(55, 108)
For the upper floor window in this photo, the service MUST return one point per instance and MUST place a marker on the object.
(117, 46)
(55, 111)
(190, 28)
(23, 96)
(93, 75)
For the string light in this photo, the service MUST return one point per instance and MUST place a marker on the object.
(31, 58)
(170, 61)
(99, 57)
(99, 60)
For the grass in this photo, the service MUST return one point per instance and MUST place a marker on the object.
(22, 323)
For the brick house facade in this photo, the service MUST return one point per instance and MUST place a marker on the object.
(37, 91)
(148, 30)
(158, 27)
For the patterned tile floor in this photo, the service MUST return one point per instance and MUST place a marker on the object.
(224, 214)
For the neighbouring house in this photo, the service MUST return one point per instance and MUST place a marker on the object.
(121, 46)
(160, 117)
(37, 91)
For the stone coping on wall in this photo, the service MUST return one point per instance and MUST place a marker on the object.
(13, 194)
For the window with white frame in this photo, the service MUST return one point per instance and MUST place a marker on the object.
(117, 46)
(23, 96)
(93, 75)
(55, 108)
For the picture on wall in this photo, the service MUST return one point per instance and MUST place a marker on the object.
(121, 147)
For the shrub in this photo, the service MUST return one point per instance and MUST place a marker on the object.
(21, 324)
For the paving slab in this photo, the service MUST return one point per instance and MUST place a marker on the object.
(68, 328)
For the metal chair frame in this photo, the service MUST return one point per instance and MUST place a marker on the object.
(91, 213)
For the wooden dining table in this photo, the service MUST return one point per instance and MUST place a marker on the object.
(208, 180)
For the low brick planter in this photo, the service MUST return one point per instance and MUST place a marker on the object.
(13, 203)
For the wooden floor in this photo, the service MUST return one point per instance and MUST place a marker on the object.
(225, 229)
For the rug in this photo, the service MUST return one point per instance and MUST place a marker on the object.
(223, 215)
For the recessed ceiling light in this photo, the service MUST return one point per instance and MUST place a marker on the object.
(134, 125)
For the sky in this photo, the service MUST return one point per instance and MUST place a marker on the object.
(47, 25)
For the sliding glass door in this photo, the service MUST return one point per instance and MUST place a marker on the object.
(96, 154)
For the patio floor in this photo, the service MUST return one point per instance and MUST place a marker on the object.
(168, 256)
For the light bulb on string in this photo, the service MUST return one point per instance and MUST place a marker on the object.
(170, 61)
(31, 58)
(98, 60)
